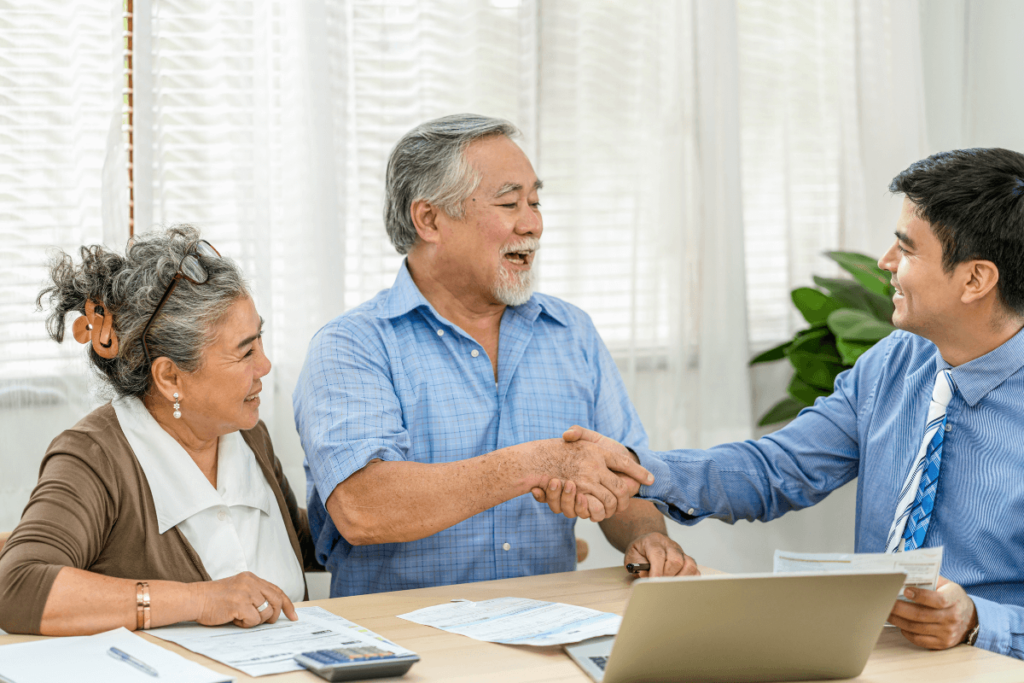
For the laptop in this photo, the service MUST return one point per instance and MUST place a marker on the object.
(744, 627)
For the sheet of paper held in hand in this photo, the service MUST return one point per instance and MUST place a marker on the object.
(518, 621)
(921, 566)
(270, 648)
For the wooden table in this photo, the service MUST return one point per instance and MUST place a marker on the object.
(457, 659)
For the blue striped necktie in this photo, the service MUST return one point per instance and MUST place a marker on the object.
(917, 497)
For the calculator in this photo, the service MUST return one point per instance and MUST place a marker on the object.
(354, 663)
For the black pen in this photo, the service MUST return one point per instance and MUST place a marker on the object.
(637, 568)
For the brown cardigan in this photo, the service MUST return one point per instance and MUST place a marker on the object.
(93, 509)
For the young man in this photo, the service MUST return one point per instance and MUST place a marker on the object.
(930, 420)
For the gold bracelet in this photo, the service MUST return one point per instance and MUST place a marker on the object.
(142, 620)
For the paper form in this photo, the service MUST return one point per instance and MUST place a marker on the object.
(271, 648)
(518, 621)
(84, 659)
(921, 566)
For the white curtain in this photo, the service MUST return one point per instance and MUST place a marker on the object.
(832, 108)
(697, 157)
(63, 183)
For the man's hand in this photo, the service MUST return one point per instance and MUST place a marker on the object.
(577, 433)
(564, 496)
(937, 619)
(603, 480)
(664, 555)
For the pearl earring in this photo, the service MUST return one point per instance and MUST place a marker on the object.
(177, 407)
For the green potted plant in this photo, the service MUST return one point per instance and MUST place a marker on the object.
(846, 318)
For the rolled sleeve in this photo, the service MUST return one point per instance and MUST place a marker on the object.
(346, 410)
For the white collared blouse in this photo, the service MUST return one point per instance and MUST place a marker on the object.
(235, 527)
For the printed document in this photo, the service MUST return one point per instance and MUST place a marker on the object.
(86, 659)
(921, 566)
(271, 648)
(518, 621)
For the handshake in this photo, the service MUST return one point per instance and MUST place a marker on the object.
(587, 475)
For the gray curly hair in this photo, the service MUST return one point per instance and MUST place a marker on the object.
(429, 162)
(130, 286)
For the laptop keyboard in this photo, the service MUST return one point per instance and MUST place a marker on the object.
(599, 662)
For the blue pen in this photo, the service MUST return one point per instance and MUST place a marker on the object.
(128, 659)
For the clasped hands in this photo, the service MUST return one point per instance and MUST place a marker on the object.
(599, 492)
(593, 477)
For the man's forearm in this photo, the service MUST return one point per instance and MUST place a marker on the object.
(640, 518)
(395, 502)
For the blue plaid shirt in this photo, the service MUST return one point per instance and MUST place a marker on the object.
(871, 428)
(394, 380)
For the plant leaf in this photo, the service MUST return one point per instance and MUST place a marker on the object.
(818, 373)
(817, 342)
(851, 350)
(814, 305)
(865, 270)
(854, 295)
(804, 392)
(786, 409)
(852, 325)
(815, 358)
(774, 353)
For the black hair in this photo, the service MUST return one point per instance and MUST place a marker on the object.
(974, 201)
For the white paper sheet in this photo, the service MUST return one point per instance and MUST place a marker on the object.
(518, 621)
(922, 566)
(84, 659)
(271, 648)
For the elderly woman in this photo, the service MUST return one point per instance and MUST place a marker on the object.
(168, 503)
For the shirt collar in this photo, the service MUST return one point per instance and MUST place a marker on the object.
(983, 374)
(404, 296)
(178, 486)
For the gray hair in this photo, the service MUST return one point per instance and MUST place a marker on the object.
(130, 287)
(429, 163)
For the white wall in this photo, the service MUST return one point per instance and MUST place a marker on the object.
(973, 58)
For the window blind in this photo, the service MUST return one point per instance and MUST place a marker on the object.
(59, 105)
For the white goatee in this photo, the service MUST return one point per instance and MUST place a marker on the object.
(514, 288)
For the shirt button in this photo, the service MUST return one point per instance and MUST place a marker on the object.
(949, 427)
(222, 516)
(690, 511)
(476, 353)
(506, 547)
(440, 333)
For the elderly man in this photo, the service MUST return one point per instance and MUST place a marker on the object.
(428, 413)
(930, 420)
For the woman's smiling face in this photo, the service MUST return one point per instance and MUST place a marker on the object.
(222, 396)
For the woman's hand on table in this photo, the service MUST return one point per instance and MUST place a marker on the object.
(236, 599)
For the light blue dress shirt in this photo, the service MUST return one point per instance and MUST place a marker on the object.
(394, 380)
(871, 428)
